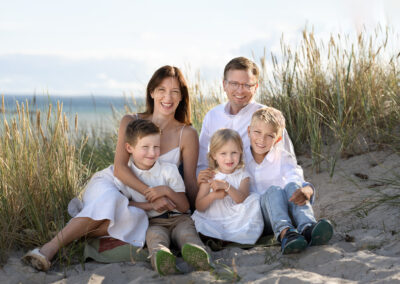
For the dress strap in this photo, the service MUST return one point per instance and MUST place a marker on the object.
(180, 137)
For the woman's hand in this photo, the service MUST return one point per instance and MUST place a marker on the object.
(163, 204)
(154, 193)
(205, 176)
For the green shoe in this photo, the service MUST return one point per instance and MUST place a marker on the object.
(196, 256)
(292, 242)
(165, 263)
(319, 233)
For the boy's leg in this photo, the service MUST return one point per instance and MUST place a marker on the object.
(274, 207)
(303, 215)
(316, 233)
(157, 238)
(184, 232)
(194, 252)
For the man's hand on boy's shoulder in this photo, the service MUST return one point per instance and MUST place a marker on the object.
(205, 176)
(302, 195)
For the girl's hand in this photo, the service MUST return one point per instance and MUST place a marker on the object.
(219, 185)
(219, 194)
(205, 176)
(163, 204)
(302, 195)
(154, 193)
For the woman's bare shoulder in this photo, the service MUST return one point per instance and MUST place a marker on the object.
(189, 130)
(189, 134)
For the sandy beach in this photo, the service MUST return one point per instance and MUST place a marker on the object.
(365, 247)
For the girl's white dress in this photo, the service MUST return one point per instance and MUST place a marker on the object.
(224, 219)
(102, 200)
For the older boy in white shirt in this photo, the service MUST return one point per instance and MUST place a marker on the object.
(142, 139)
(276, 176)
(240, 84)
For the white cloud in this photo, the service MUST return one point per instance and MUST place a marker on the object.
(112, 47)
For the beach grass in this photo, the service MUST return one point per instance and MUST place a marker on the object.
(340, 98)
(341, 92)
(40, 171)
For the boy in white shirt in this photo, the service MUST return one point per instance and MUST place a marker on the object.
(276, 176)
(142, 141)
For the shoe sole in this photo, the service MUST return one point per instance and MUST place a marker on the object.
(321, 233)
(165, 263)
(196, 256)
(295, 246)
(37, 260)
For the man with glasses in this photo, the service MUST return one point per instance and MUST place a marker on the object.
(240, 85)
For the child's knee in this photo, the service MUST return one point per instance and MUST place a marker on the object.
(291, 187)
(270, 192)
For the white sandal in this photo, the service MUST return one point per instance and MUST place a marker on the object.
(37, 260)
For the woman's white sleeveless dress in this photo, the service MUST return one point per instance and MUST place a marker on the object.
(102, 200)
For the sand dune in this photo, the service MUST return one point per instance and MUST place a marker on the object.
(365, 246)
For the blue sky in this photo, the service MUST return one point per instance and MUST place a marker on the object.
(113, 47)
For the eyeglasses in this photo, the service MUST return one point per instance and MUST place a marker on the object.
(235, 85)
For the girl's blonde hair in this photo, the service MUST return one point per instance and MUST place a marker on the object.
(219, 139)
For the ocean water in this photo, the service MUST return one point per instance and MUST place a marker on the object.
(93, 111)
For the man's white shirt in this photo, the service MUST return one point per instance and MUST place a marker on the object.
(220, 117)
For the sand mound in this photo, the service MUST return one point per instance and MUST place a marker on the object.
(364, 248)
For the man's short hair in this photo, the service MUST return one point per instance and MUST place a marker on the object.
(270, 116)
(242, 63)
(138, 129)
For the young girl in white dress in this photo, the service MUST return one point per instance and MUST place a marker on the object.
(225, 209)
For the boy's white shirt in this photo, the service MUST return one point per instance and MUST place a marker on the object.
(162, 173)
(219, 117)
(278, 168)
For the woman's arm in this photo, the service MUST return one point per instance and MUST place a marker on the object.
(159, 205)
(121, 169)
(190, 154)
(205, 197)
(179, 198)
(146, 206)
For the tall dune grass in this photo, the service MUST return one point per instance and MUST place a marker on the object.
(40, 171)
(337, 92)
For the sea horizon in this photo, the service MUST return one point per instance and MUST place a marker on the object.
(92, 110)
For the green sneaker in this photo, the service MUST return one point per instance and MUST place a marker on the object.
(196, 256)
(319, 233)
(165, 263)
(292, 242)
